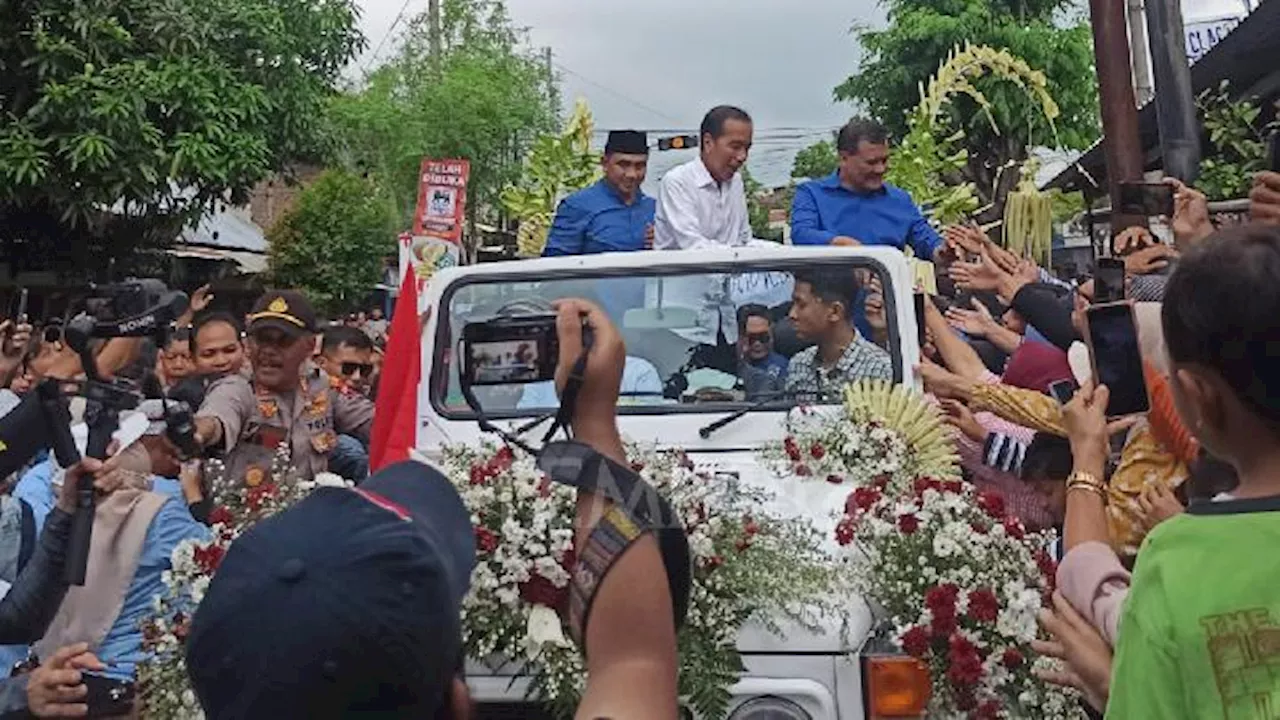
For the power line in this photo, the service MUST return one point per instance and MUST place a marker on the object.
(394, 23)
(615, 93)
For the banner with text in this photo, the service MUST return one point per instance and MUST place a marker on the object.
(442, 199)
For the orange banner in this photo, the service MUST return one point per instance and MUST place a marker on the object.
(442, 199)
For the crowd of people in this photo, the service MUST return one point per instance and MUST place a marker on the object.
(349, 603)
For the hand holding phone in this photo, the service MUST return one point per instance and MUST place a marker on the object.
(1108, 280)
(1063, 390)
(1146, 199)
(1117, 358)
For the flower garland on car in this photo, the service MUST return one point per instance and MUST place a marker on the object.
(164, 690)
(883, 435)
(954, 579)
(960, 584)
(748, 566)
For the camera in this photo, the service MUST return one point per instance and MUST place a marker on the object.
(134, 296)
(510, 350)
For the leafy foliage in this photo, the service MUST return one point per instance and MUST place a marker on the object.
(758, 211)
(1239, 140)
(921, 34)
(333, 242)
(932, 159)
(558, 164)
(158, 109)
(485, 97)
(817, 160)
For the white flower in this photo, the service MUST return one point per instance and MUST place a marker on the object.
(328, 479)
(543, 629)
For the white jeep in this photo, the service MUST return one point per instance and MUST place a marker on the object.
(678, 314)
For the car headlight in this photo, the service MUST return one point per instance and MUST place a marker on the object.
(768, 707)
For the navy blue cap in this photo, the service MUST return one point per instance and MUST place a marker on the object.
(347, 603)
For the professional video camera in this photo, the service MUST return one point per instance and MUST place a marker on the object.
(135, 308)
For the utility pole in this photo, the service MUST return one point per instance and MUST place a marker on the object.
(552, 96)
(433, 29)
(1123, 146)
(1175, 102)
(1142, 88)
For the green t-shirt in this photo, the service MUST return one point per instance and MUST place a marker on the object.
(1199, 635)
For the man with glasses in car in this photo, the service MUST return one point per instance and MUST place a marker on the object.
(762, 370)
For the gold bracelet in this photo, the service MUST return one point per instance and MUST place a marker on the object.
(1085, 485)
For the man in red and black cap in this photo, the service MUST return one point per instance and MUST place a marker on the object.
(248, 421)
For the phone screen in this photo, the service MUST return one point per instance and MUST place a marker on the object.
(1146, 199)
(1108, 280)
(510, 351)
(1062, 391)
(1117, 359)
(1273, 152)
(920, 300)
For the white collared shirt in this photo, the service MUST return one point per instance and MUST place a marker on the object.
(696, 211)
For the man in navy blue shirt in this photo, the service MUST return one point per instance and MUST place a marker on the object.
(612, 215)
(762, 370)
(855, 206)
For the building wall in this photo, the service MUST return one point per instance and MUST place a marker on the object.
(272, 198)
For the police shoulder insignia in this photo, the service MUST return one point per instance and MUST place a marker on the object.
(254, 476)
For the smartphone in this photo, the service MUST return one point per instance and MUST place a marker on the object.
(1108, 280)
(1063, 390)
(1273, 152)
(1116, 357)
(1146, 199)
(108, 698)
(510, 350)
(17, 313)
(920, 300)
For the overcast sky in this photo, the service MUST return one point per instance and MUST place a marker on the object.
(663, 63)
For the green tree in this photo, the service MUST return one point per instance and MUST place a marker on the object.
(817, 160)
(484, 97)
(121, 120)
(333, 242)
(921, 34)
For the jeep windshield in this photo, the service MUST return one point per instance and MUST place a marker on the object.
(698, 339)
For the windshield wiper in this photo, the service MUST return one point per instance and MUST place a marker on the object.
(707, 430)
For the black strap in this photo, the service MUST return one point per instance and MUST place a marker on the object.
(569, 398)
(580, 466)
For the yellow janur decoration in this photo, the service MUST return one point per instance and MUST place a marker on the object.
(905, 411)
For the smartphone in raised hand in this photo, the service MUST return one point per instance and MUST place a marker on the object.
(1117, 357)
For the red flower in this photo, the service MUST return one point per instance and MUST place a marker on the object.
(955, 487)
(220, 516)
(942, 597)
(978, 528)
(486, 540)
(816, 451)
(943, 623)
(1048, 568)
(802, 471)
(750, 527)
(916, 641)
(637, 466)
(984, 606)
(881, 481)
(844, 531)
(479, 474)
(921, 484)
(258, 495)
(988, 710)
(835, 479)
(908, 524)
(1013, 528)
(964, 665)
(992, 504)
(539, 591)
(208, 558)
(544, 487)
(965, 699)
(861, 500)
(502, 460)
(793, 451)
(713, 562)
(1012, 659)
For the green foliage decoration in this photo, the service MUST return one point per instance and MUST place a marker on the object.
(1238, 139)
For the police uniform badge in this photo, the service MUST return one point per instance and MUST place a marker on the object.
(324, 442)
(319, 405)
(254, 476)
(278, 306)
(268, 408)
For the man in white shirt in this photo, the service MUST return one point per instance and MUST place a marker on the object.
(704, 202)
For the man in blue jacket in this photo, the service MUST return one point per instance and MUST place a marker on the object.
(613, 215)
(855, 206)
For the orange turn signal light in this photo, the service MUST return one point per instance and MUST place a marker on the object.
(898, 686)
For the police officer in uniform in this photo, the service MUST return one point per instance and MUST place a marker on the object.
(247, 420)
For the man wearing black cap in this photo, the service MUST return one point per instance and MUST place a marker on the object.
(613, 215)
(282, 405)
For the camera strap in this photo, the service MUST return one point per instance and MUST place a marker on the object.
(569, 398)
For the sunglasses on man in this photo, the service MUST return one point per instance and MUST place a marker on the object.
(761, 337)
(351, 368)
